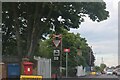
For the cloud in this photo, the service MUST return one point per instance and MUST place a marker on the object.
(103, 36)
(106, 47)
(98, 31)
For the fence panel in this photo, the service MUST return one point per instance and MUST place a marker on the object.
(44, 67)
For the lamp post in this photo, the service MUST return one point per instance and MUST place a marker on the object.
(90, 57)
(95, 57)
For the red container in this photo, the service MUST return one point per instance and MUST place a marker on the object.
(28, 68)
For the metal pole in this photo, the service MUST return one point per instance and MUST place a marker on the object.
(61, 60)
(1, 32)
(90, 60)
(50, 67)
(66, 64)
(90, 57)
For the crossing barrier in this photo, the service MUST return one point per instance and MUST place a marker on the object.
(30, 77)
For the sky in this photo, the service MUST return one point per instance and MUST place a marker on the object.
(103, 36)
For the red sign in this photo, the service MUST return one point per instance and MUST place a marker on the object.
(67, 50)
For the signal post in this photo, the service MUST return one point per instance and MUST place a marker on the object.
(57, 53)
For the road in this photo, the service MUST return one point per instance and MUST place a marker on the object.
(102, 76)
(99, 77)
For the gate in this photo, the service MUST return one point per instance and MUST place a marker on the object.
(44, 67)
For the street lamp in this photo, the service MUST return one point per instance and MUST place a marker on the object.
(90, 53)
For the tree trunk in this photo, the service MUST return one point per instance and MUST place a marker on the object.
(32, 42)
(17, 34)
(31, 33)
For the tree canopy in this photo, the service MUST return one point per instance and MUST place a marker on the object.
(102, 66)
(79, 51)
(25, 23)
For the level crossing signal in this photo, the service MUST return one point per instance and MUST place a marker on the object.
(57, 40)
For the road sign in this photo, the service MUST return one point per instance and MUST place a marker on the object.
(67, 50)
(56, 40)
(56, 58)
(56, 52)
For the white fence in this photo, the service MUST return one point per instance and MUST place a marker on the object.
(44, 67)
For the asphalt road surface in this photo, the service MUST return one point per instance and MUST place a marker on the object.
(98, 77)
(102, 76)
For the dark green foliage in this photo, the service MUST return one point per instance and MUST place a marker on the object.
(102, 66)
(97, 69)
(25, 23)
(72, 41)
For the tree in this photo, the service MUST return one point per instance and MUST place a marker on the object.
(24, 23)
(102, 66)
(97, 69)
(72, 41)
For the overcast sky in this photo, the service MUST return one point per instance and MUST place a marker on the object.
(103, 36)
